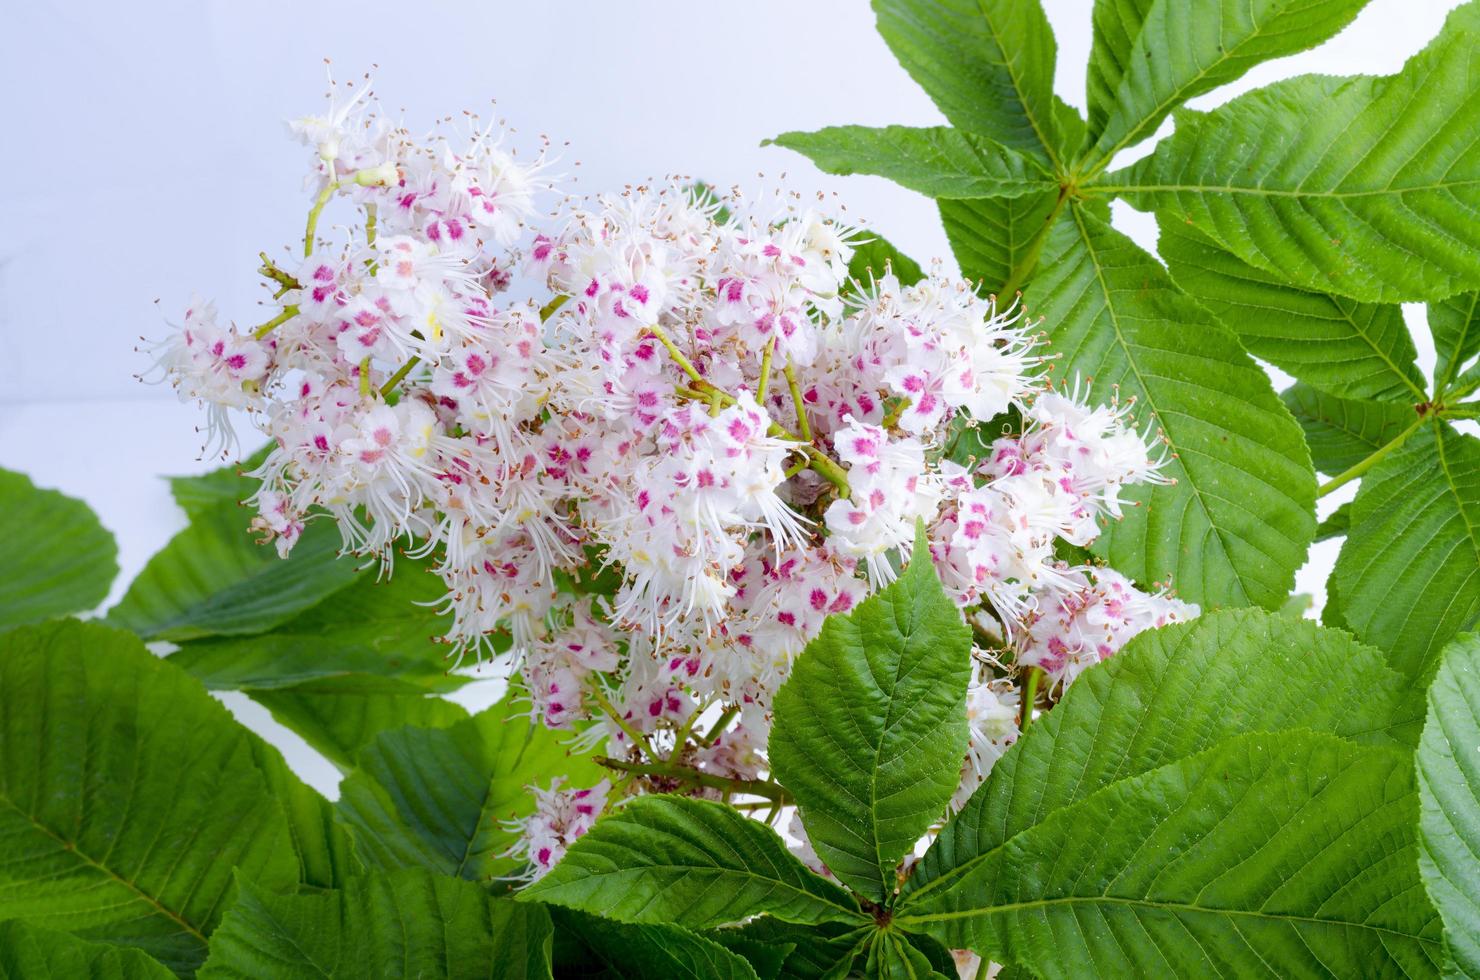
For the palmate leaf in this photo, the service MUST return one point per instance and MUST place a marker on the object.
(1345, 348)
(1408, 576)
(127, 795)
(412, 922)
(988, 64)
(590, 946)
(339, 716)
(29, 952)
(1234, 527)
(1367, 187)
(809, 952)
(325, 851)
(1342, 432)
(1150, 56)
(938, 160)
(213, 579)
(1171, 693)
(1449, 791)
(691, 863)
(991, 236)
(436, 798)
(1284, 854)
(1455, 326)
(59, 559)
(870, 727)
(895, 956)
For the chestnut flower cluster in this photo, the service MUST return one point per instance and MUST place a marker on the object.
(691, 394)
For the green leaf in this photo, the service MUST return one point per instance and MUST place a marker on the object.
(820, 952)
(1408, 577)
(1449, 794)
(1284, 854)
(692, 863)
(28, 952)
(766, 959)
(870, 727)
(411, 922)
(1168, 694)
(384, 629)
(226, 485)
(325, 851)
(212, 579)
(127, 795)
(938, 160)
(1455, 325)
(988, 64)
(1367, 187)
(1342, 432)
(1338, 525)
(875, 256)
(59, 559)
(1235, 526)
(436, 797)
(893, 956)
(990, 237)
(1346, 348)
(1149, 57)
(589, 946)
(338, 716)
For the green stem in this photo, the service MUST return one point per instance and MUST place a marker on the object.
(289, 312)
(1371, 461)
(638, 739)
(365, 378)
(271, 271)
(399, 376)
(550, 307)
(760, 386)
(900, 407)
(370, 216)
(804, 430)
(720, 724)
(679, 357)
(1029, 261)
(313, 216)
(1030, 696)
(692, 776)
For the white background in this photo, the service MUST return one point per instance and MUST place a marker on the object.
(144, 159)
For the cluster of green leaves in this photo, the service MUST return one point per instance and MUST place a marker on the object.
(1294, 219)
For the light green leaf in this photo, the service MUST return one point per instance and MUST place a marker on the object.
(589, 946)
(988, 64)
(226, 485)
(870, 727)
(369, 628)
(875, 257)
(29, 952)
(691, 863)
(1284, 854)
(1346, 348)
(1149, 58)
(1455, 326)
(213, 579)
(938, 160)
(1449, 793)
(406, 923)
(59, 559)
(1367, 187)
(991, 236)
(1408, 577)
(338, 716)
(436, 797)
(1171, 693)
(1342, 432)
(1235, 526)
(127, 795)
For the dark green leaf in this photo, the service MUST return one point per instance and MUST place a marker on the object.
(1171, 693)
(1367, 187)
(1149, 57)
(938, 160)
(875, 257)
(31, 953)
(892, 956)
(58, 560)
(1235, 526)
(213, 579)
(406, 923)
(227, 485)
(1346, 348)
(588, 946)
(990, 236)
(1455, 325)
(1449, 791)
(870, 727)
(325, 851)
(1284, 854)
(816, 952)
(1337, 525)
(1408, 577)
(1341, 432)
(690, 863)
(988, 64)
(127, 795)
(436, 797)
